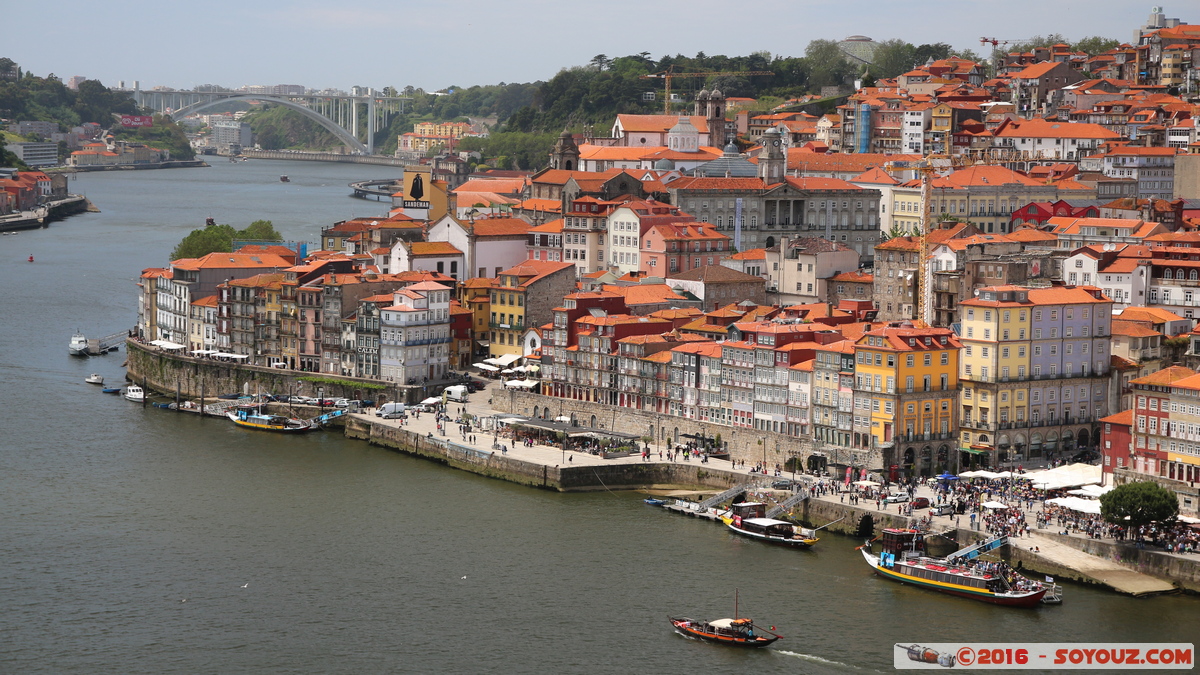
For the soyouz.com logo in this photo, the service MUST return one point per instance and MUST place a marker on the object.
(1044, 656)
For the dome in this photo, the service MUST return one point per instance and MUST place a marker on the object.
(684, 126)
(703, 95)
(731, 149)
(716, 93)
(664, 164)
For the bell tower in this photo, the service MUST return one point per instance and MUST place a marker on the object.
(714, 113)
(565, 154)
(772, 161)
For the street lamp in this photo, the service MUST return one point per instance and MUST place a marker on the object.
(321, 399)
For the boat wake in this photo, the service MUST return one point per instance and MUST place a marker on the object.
(811, 657)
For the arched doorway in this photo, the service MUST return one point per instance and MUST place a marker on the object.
(943, 458)
(1002, 447)
(593, 421)
(1051, 444)
(1020, 443)
(1035, 445)
(770, 242)
(1085, 439)
(536, 408)
(866, 526)
(1068, 440)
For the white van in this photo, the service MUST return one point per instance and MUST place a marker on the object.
(457, 393)
(388, 409)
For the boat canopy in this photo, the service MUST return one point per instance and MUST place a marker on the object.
(765, 522)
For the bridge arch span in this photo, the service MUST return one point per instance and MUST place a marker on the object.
(328, 124)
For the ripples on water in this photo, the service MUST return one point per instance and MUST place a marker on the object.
(354, 556)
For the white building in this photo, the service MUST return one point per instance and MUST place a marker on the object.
(912, 133)
(488, 245)
(801, 268)
(226, 135)
(1152, 168)
(1125, 280)
(414, 334)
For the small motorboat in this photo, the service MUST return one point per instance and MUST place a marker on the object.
(654, 502)
(134, 393)
(111, 390)
(94, 378)
(284, 179)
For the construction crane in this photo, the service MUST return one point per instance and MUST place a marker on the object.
(667, 75)
(996, 43)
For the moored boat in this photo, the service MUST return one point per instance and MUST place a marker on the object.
(255, 419)
(79, 345)
(134, 393)
(284, 179)
(749, 519)
(111, 390)
(902, 558)
(94, 378)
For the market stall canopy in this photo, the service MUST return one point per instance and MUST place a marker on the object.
(986, 474)
(994, 505)
(504, 360)
(167, 344)
(1070, 475)
(521, 383)
(1091, 491)
(1077, 504)
(947, 476)
(866, 483)
(484, 366)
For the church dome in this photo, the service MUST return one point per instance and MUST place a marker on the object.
(731, 149)
(664, 164)
(716, 93)
(703, 95)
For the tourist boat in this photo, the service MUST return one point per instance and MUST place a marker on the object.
(735, 632)
(94, 378)
(749, 519)
(903, 559)
(255, 419)
(79, 345)
(134, 393)
(284, 179)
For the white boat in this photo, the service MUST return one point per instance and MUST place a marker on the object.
(79, 345)
(94, 378)
(134, 393)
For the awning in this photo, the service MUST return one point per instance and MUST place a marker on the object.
(484, 366)
(167, 344)
(503, 360)
(994, 505)
(974, 451)
(1079, 504)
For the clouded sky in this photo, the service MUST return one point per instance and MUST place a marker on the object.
(434, 44)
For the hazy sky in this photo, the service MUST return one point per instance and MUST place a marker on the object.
(437, 44)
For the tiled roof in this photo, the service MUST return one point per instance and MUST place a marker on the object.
(854, 277)
(417, 248)
(1166, 376)
(710, 274)
(659, 123)
(1132, 329)
(500, 227)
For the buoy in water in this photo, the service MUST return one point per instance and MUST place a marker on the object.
(30, 257)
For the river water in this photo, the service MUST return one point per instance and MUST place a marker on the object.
(359, 560)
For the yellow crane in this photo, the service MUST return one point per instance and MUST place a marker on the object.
(667, 75)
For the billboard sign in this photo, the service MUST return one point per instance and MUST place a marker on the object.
(137, 121)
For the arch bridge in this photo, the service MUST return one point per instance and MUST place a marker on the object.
(338, 114)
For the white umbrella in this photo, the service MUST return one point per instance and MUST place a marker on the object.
(866, 483)
(994, 505)
(431, 400)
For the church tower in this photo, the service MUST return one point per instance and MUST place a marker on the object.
(772, 161)
(715, 114)
(565, 154)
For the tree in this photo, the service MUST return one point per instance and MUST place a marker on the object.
(1137, 504)
(935, 51)
(893, 57)
(259, 230)
(1095, 44)
(827, 65)
(220, 238)
(600, 62)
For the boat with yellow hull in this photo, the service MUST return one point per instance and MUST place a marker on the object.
(254, 419)
(903, 559)
(749, 520)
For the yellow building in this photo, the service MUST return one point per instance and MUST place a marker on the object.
(444, 129)
(906, 383)
(476, 295)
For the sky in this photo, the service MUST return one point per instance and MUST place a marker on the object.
(433, 45)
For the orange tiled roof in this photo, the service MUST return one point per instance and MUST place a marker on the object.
(1167, 376)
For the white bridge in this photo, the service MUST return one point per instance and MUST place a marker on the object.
(338, 114)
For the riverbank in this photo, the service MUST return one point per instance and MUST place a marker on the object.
(172, 164)
(45, 214)
(304, 156)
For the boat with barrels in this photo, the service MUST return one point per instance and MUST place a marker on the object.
(735, 632)
(902, 558)
(254, 418)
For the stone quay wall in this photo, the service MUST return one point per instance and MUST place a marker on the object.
(750, 445)
(191, 377)
(1179, 571)
(560, 478)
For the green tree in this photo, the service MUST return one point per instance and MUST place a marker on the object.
(893, 57)
(201, 242)
(826, 63)
(935, 51)
(1095, 44)
(259, 230)
(1137, 504)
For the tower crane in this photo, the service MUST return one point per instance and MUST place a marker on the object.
(667, 75)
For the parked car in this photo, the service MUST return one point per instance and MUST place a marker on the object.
(785, 485)
(942, 510)
(920, 503)
(297, 399)
(898, 498)
(397, 415)
(1085, 456)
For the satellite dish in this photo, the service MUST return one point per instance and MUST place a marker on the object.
(977, 292)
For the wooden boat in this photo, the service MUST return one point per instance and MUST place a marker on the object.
(255, 419)
(902, 558)
(134, 393)
(94, 378)
(735, 632)
(749, 519)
